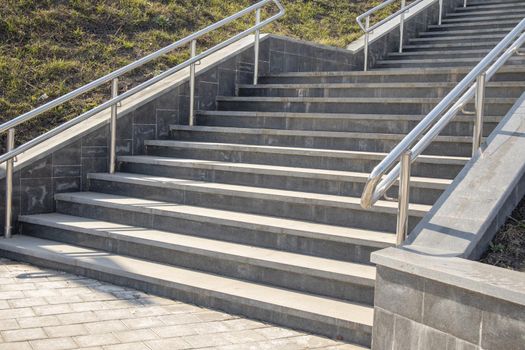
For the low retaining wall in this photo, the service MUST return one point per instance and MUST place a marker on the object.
(428, 295)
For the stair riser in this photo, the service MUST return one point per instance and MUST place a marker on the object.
(465, 32)
(478, 19)
(330, 327)
(415, 55)
(461, 149)
(459, 46)
(214, 263)
(415, 92)
(446, 171)
(346, 107)
(335, 124)
(283, 182)
(248, 234)
(308, 211)
(499, 25)
(495, 13)
(456, 39)
(430, 64)
(385, 78)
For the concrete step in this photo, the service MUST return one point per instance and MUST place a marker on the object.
(341, 183)
(458, 38)
(372, 105)
(327, 241)
(425, 166)
(450, 46)
(414, 74)
(465, 32)
(425, 54)
(334, 318)
(496, 24)
(440, 62)
(312, 207)
(333, 140)
(493, 12)
(480, 18)
(436, 89)
(462, 125)
(490, 6)
(327, 277)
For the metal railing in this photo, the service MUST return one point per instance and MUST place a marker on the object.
(115, 99)
(397, 163)
(401, 13)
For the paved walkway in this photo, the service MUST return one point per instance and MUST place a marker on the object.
(42, 309)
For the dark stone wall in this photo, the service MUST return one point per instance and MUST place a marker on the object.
(66, 169)
(413, 312)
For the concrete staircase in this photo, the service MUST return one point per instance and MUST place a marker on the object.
(256, 209)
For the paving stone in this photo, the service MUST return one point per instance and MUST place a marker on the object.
(180, 319)
(128, 346)
(27, 302)
(54, 344)
(168, 344)
(175, 331)
(52, 309)
(143, 322)
(96, 340)
(199, 341)
(23, 334)
(246, 336)
(276, 332)
(78, 317)
(40, 321)
(105, 326)
(66, 331)
(15, 346)
(15, 313)
(8, 325)
(135, 335)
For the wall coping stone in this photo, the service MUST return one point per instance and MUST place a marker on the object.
(471, 275)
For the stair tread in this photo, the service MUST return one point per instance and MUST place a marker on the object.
(253, 192)
(397, 71)
(264, 296)
(232, 218)
(330, 116)
(273, 169)
(293, 262)
(379, 85)
(310, 133)
(441, 60)
(351, 99)
(299, 151)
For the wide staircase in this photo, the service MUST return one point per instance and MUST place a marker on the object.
(256, 210)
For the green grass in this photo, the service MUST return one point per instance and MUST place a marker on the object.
(50, 47)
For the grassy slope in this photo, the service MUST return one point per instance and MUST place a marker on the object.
(49, 47)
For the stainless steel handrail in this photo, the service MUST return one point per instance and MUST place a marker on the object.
(112, 103)
(401, 12)
(387, 172)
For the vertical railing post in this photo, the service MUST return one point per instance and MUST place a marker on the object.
(440, 20)
(9, 185)
(480, 107)
(404, 197)
(465, 3)
(256, 47)
(193, 51)
(402, 27)
(367, 35)
(113, 129)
